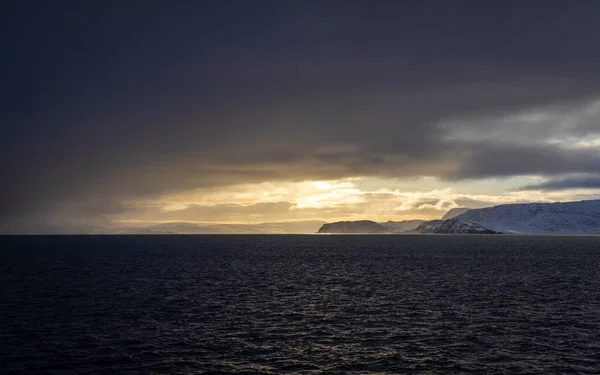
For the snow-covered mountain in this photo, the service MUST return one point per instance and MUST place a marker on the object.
(454, 225)
(562, 217)
(581, 217)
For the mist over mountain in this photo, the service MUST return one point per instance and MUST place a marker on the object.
(189, 228)
(454, 212)
(402, 226)
(182, 227)
(291, 227)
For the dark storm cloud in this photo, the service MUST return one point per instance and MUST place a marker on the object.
(105, 102)
(492, 160)
(565, 183)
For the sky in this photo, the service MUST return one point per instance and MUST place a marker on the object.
(140, 112)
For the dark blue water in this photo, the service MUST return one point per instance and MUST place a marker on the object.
(299, 304)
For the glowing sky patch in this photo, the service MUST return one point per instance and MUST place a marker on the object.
(344, 199)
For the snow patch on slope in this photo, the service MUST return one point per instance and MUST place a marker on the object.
(581, 217)
(454, 225)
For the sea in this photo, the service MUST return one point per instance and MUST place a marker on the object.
(300, 304)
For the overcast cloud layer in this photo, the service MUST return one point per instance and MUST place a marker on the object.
(109, 103)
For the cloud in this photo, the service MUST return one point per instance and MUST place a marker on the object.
(485, 160)
(104, 109)
(567, 183)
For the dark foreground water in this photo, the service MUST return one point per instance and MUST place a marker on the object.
(299, 304)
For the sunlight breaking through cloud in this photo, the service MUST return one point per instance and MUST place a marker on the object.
(330, 200)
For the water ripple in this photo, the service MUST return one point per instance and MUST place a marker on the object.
(299, 305)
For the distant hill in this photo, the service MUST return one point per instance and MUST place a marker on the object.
(361, 226)
(289, 227)
(582, 217)
(190, 228)
(368, 226)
